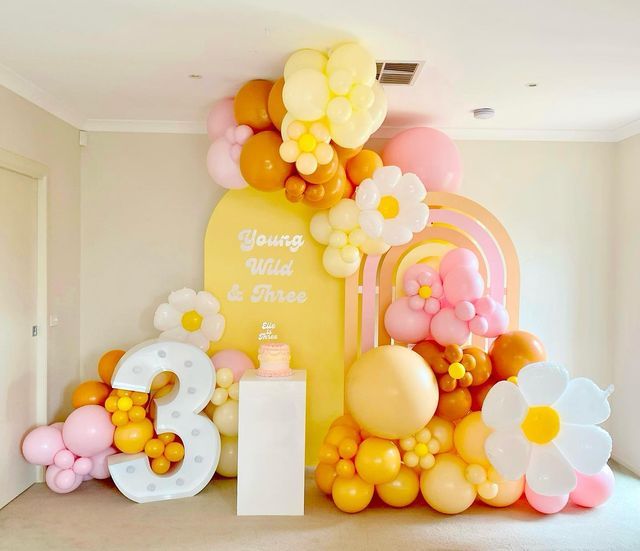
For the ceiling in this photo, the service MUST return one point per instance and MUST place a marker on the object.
(124, 64)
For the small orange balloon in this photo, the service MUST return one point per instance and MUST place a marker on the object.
(510, 352)
(160, 465)
(349, 190)
(294, 188)
(154, 448)
(323, 173)
(275, 105)
(132, 437)
(346, 153)
(333, 192)
(363, 165)
(107, 364)
(345, 420)
(90, 393)
(454, 405)
(433, 354)
(479, 393)
(250, 106)
(261, 164)
(325, 475)
(174, 452)
(166, 437)
(482, 371)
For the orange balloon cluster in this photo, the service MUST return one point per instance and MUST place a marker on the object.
(164, 451)
(259, 105)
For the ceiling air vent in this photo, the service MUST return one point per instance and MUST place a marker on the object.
(398, 72)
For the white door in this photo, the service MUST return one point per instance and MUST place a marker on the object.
(18, 301)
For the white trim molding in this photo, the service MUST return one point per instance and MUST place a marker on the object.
(145, 126)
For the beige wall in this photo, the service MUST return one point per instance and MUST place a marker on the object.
(625, 313)
(33, 133)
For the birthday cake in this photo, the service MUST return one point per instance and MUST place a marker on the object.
(274, 360)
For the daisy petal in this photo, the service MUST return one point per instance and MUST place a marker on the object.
(197, 338)
(175, 334)
(583, 403)
(213, 327)
(549, 473)
(166, 317)
(508, 452)
(414, 215)
(586, 447)
(396, 232)
(410, 188)
(367, 195)
(371, 221)
(183, 300)
(504, 407)
(386, 178)
(206, 304)
(542, 383)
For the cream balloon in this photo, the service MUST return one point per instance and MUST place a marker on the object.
(355, 131)
(305, 94)
(320, 227)
(355, 59)
(336, 265)
(344, 215)
(228, 464)
(305, 59)
(509, 491)
(225, 417)
(444, 486)
(469, 438)
(391, 392)
(442, 431)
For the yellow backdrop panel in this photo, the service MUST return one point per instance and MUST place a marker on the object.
(262, 263)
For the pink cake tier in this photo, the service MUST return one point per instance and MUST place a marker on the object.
(274, 358)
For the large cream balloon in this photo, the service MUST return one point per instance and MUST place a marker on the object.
(305, 59)
(305, 94)
(336, 265)
(354, 59)
(469, 437)
(509, 491)
(445, 487)
(391, 392)
(228, 464)
(225, 417)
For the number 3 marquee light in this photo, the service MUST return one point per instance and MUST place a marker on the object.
(178, 412)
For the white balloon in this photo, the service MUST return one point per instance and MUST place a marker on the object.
(586, 447)
(584, 403)
(549, 473)
(503, 408)
(213, 327)
(206, 304)
(183, 300)
(542, 383)
(166, 317)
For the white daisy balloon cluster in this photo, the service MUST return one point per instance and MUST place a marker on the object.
(388, 209)
(190, 317)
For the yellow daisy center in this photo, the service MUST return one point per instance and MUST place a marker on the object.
(421, 449)
(457, 370)
(541, 425)
(191, 320)
(307, 143)
(424, 291)
(389, 207)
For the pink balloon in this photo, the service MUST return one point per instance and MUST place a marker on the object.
(405, 324)
(100, 464)
(57, 425)
(62, 481)
(447, 329)
(497, 322)
(456, 258)
(64, 459)
(463, 283)
(429, 154)
(220, 118)
(88, 430)
(593, 490)
(82, 466)
(222, 168)
(42, 444)
(545, 504)
(235, 360)
(465, 310)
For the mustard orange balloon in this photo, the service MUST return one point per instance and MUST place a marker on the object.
(351, 495)
(333, 192)
(107, 364)
(363, 165)
(378, 460)
(346, 153)
(482, 371)
(511, 351)
(90, 393)
(132, 437)
(261, 164)
(294, 188)
(454, 405)
(325, 475)
(251, 104)
(479, 393)
(323, 173)
(275, 105)
(402, 490)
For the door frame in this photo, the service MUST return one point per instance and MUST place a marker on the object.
(39, 172)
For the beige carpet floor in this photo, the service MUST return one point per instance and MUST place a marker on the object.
(97, 516)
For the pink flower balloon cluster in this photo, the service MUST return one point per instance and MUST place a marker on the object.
(73, 451)
(228, 137)
(446, 305)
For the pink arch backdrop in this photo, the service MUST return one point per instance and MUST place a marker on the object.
(454, 221)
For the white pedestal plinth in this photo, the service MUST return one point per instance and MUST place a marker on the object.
(271, 435)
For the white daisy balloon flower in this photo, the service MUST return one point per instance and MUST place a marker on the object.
(190, 317)
(545, 427)
(391, 205)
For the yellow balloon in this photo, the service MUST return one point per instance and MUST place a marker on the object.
(355, 59)
(228, 463)
(339, 433)
(402, 490)
(469, 438)
(161, 379)
(509, 491)
(305, 94)
(160, 465)
(132, 437)
(174, 452)
(378, 461)
(351, 495)
(391, 392)
(225, 417)
(442, 431)
(445, 487)
(345, 420)
(355, 131)
(305, 59)
(325, 475)
(154, 448)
